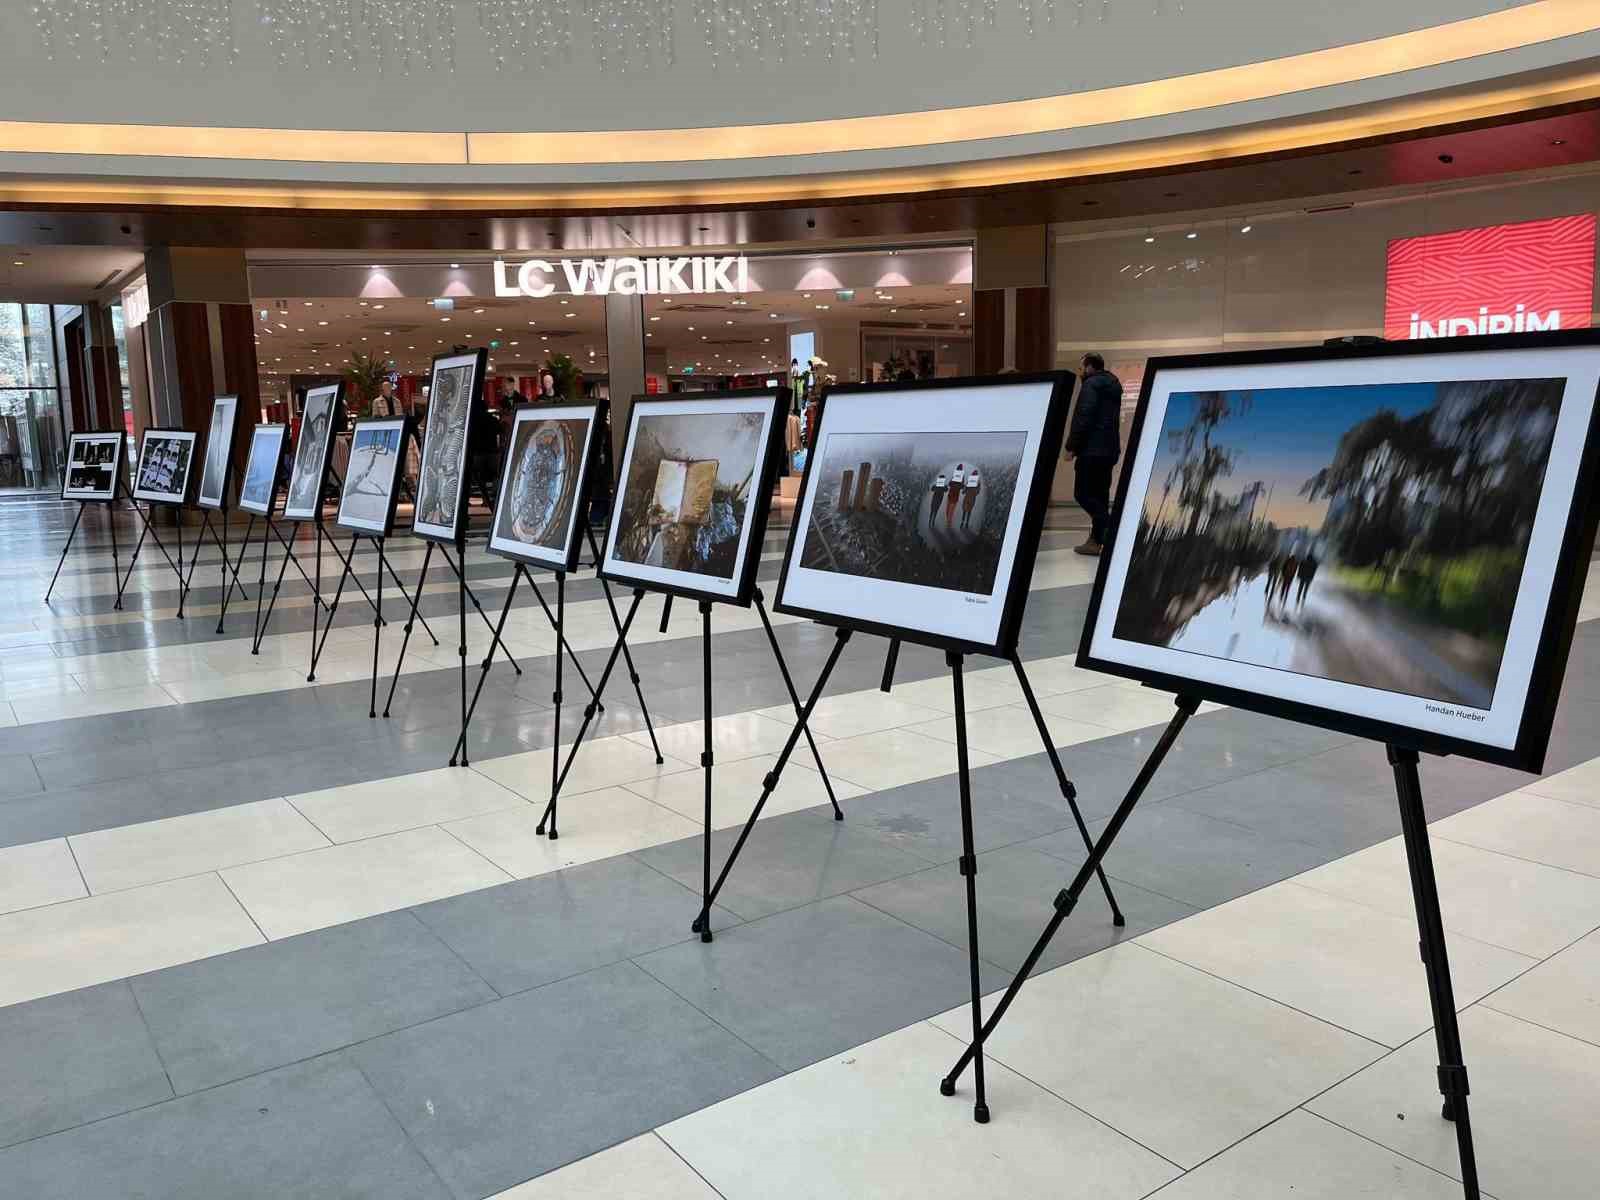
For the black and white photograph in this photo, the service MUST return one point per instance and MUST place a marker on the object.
(372, 478)
(94, 466)
(260, 487)
(219, 451)
(915, 502)
(166, 461)
(1374, 533)
(694, 483)
(544, 484)
(312, 451)
(441, 510)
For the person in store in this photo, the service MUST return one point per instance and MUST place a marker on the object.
(1094, 445)
(387, 403)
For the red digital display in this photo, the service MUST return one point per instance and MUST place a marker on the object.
(1496, 279)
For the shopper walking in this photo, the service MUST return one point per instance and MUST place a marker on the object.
(1094, 445)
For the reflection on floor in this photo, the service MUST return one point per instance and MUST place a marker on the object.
(259, 944)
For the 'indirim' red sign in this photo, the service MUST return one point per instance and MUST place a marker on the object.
(1497, 279)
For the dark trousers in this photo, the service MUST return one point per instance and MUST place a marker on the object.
(1092, 489)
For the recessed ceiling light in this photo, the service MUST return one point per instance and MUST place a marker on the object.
(655, 318)
(572, 314)
(894, 310)
(377, 306)
(300, 329)
(1246, 228)
(563, 302)
(727, 322)
(808, 295)
(477, 310)
(321, 322)
(1191, 235)
(363, 303)
(691, 329)
(307, 303)
(533, 322)
(1150, 238)
(1558, 141)
(455, 266)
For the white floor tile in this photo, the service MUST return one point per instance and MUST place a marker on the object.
(641, 1169)
(1179, 1061)
(855, 713)
(1010, 732)
(1561, 993)
(1533, 1104)
(891, 757)
(736, 786)
(1346, 963)
(1534, 827)
(983, 689)
(319, 888)
(741, 735)
(1307, 1158)
(90, 704)
(601, 762)
(99, 938)
(1579, 785)
(363, 810)
(593, 825)
(871, 1123)
(1495, 898)
(8, 714)
(1054, 676)
(38, 873)
(150, 851)
(23, 690)
(1113, 706)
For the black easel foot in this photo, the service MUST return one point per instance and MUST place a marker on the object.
(947, 1086)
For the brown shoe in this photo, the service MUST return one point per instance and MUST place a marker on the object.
(1092, 548)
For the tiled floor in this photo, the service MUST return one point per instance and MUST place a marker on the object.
(260, 944)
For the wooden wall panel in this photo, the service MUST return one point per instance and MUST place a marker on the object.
(1035, 337)
(988, 330)
(239, 376)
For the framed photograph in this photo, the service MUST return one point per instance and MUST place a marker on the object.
(219, 453)
(94, 466)
(453, 398)
(696, 482)
(921, 506)
(312, 452)
(544, 484)
(260, 488)
(166, 461)
(372, 478)
(1389, 541)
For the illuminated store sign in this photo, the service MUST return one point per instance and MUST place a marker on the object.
(670, 276)
(1496, 279)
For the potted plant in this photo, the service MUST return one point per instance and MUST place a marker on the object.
(361, 380)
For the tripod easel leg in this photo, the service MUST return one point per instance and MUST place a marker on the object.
(261, 584)
(1067, 789)
(555, 696)
(561, 637)
(64, 549)
(344, 573)
(231, 568)
(1435, 961)
(411, 620)
(707, 759)
(461, 652)
(183, 584)
(589, 711)
(488, 660)
(890, 661)
(377, 632)
(468, 594)
(794, 699)
(969, 871)
(116, 566)
(283, 566)
(627, 655)
(770, 783)
(1067, 899)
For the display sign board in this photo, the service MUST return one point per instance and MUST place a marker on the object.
(313, 451)
(679, 275)
(166, 461)
(219, 453)
(453, 403)
(1526, 277)
(696, 482)
(544, 485)
(921, 506)
(1389, 541)
(372, 476)
(94, 466)
(260, 486)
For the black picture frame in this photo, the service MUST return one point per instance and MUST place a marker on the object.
(454, 534)
(221, 503)
(190, 477)
(118, 465)
(1560, 616)
(761, 502)
(1009, 629)
(402, 425)
(336, 418)
(582, 496)
(281, 432)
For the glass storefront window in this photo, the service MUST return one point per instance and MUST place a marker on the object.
(31, 437)
(923, 354)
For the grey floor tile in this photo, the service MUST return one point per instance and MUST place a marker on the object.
(1016, 887)
(73, 1058)
(519, 1087)
(307, 1132)
(805, 984)
(925, 818)
(1190, 856)
(535, 931)
(789, 860)
(236, 1014)
(1102, 778)
(17, 776)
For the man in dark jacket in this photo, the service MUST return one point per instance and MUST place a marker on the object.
(1094, 444)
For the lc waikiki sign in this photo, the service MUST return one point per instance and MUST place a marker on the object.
(1496, 279)
(670, 276)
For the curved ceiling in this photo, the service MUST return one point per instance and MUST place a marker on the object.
(1154, 83)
